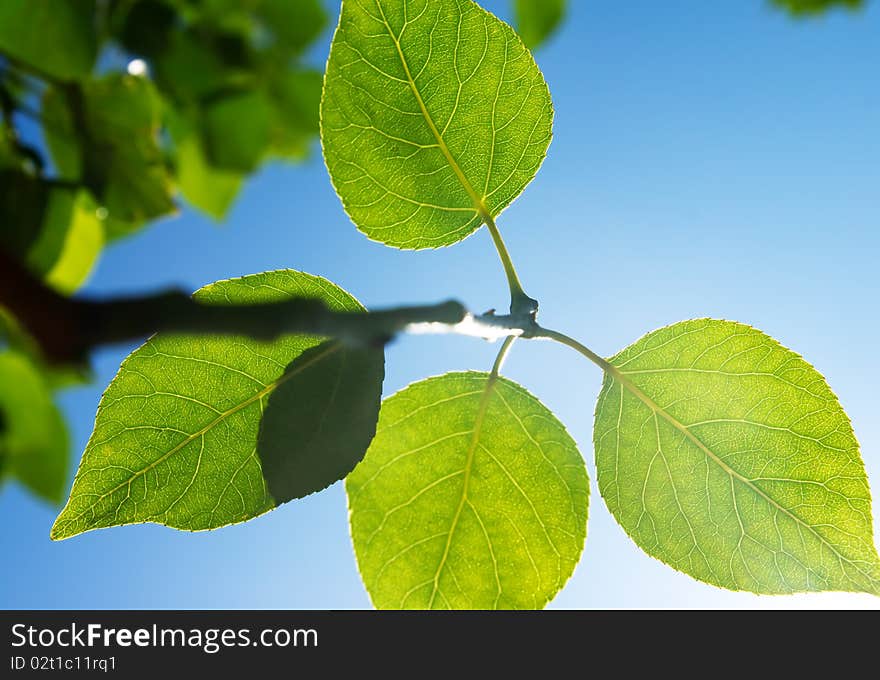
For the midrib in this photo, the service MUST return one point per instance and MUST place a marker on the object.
(620, 376)
(468, 465)
(479, 205)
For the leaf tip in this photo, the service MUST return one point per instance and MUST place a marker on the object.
(61, 529)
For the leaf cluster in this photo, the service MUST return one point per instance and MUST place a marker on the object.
(718, 450)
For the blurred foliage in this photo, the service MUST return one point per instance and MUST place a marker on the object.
(807, 7)
(138, 103)
(33, 437)
(537, 20)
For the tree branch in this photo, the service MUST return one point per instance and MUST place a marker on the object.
(68, 329)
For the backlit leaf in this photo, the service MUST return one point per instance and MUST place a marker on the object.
(176, 434)
(54, 230)
(433, 114)
(70, 240)
(727, 456)
(472, 496)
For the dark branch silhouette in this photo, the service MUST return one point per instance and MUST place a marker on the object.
(67, 329)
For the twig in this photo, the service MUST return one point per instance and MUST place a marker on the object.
(68, 329)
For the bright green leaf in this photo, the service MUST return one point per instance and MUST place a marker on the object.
(70, 241)
(727, 456)
(536, 20)
(53, 229)
(34, 437)
(431, 115)
(237, 129)
(472, 496)
(57, 38)
(176, 433)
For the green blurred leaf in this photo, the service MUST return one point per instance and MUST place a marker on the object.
(204, 186)
(56, 38)
(727, 456)
(105, 135)
(23, 200)
(296, 23)
(34, 437)
(176, 434)
(536, 20)
(145, 26)
(189, 69)
(471, 496)
(8, 156)
(810, 7)
(296, 102)
(425, 130)
(70, 241)
(231, 16)
(56, 377)
(53, 229)
(237, 130)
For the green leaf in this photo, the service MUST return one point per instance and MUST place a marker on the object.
(296, 100)
(812, 7)
(237, 129)
(176, 433)
(472, 496)
(727, 456)
(327, 403)
(23, 200)
(536, 20)
(105, 135)
(54, 230)
(56, 377)
(431, 119)
(33, 437)
(192, 67)
(204, 186)
(70, 241)
(57, 38)
(295, 23)
(145, 26)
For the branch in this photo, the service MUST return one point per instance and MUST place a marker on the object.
(68, 329)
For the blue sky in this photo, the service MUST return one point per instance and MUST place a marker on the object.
(709, 159)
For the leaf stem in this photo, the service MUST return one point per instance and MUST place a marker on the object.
(579, 347)
(520, 303)
(502, 355)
